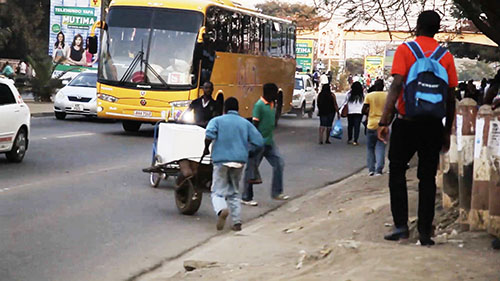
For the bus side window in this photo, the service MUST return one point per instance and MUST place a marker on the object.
(246, 33)
(275, 39)
(255, 36)
(235, 33)
(284, 52)
(292, 41)
(267, 38)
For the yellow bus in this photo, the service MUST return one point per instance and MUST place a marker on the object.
(156, 54)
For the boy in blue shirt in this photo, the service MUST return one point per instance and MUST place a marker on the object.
(232, 136)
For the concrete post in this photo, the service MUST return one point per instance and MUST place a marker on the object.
(466, 120)
(448, 176)
(478, 215)
(494, 194)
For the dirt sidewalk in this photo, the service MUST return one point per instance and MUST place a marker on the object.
(336, 234)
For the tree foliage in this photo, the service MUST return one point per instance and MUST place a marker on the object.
(305, 16)
(473, 51)
(474, 71)
(401, 14)
(355, 66)
(24, 27)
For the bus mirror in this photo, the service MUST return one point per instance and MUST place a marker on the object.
(92, 44)
(201, 33)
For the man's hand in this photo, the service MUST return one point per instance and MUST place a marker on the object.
(206, 151)
(383, 134)
(446, 142)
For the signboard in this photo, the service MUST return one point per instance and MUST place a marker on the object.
(70, 24)
(331, 40)
(304, 50)
(374, 66)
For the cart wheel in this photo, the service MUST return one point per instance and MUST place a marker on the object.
(155, 178)
(188, 198)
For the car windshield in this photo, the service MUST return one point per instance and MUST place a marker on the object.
(84, 80)
(150, 46)
(299, 84)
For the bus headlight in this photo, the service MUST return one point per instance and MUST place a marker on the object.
(181, 103)
(105, 97)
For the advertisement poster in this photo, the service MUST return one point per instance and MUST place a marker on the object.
(330, 41)
(304, 51)
(70, 24)
(374, 66)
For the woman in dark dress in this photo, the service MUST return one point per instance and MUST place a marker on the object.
(327, 107)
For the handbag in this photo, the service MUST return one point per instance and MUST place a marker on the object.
(345, 110)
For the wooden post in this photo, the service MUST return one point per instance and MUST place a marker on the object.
(478, 215)
(448, 176)
(494, 194)
(466, 120)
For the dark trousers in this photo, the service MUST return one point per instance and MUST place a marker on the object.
(424, 138)
(353, 125)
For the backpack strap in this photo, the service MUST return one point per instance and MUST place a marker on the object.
(415, 49)
(439, 53)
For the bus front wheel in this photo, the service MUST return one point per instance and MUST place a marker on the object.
(131, 126)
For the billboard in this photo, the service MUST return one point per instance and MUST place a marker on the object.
(70, 24)
(304, 50)
(374, 66)
(331, 40)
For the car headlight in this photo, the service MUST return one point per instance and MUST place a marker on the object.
(105, 97)
(182, 103)
(59, 95)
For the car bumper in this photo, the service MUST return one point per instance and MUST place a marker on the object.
(76, 108)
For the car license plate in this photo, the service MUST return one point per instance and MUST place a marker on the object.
(142, 113)
(77, 107)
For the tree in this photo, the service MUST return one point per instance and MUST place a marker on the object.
(401, 14)
(24, 26)
(355, 66)
(474, 71)
(305, 16)
(473, 51)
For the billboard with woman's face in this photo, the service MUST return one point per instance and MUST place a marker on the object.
(70, 24)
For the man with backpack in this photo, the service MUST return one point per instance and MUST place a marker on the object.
(423, 89)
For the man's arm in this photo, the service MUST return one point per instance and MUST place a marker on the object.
(206, 151)
(390, 105)
(254, 136)
(210, 135)
(366, 109)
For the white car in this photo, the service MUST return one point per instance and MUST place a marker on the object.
(304, 96)
(14, 122)
(78, 97)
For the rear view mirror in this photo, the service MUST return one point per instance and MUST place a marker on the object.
(92, 44)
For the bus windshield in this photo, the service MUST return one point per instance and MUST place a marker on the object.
(150, 46)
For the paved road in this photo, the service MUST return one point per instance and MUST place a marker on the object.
(79, 207)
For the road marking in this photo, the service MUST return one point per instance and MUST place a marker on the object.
(75, 135)
(66, 136)
(65, 176)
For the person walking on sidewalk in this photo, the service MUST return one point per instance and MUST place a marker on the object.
(424, 96)
(327, 107)
(354, 103)
(232, 136)
(264, 119)
(374, 107)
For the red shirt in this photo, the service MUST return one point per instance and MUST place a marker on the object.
(404, 59)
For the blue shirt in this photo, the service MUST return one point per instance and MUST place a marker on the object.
(232, 136)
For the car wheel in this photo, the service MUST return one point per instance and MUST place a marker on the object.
(19, 147)
(60, 115)
(131, 126)
(311, 112)
(302, 111)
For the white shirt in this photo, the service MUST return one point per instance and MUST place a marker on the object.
(22, 68)
(353, 107)
(323, 79)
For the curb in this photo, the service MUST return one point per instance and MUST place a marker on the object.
(42, 114)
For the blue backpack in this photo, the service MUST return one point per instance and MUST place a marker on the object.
(426, 87)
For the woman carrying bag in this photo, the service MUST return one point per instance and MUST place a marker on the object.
(351, 109)
(327, 107)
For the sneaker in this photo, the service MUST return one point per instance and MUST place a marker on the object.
(398, 233)
(371, 174)
(355, 143)
(378, 174)
(221, 220)
(236, 227)
(249, 203)
(281, 197)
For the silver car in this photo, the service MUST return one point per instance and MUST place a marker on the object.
(78, 97)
